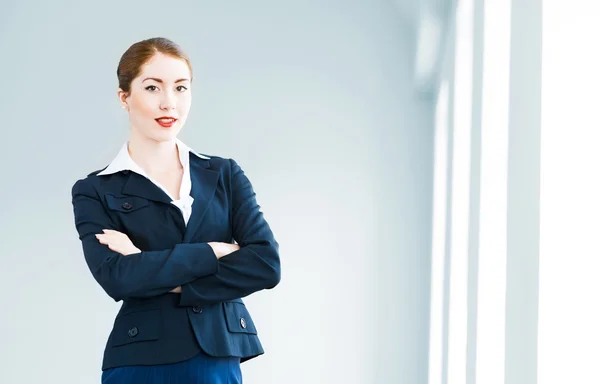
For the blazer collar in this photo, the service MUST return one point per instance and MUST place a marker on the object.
(123, 160)
(203, 182)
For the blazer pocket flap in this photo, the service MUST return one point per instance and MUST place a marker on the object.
(135, 327)
(126, 203)
(238, 318)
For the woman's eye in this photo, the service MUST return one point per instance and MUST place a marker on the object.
(152, 88)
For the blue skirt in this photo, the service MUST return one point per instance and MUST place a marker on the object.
(202, 369)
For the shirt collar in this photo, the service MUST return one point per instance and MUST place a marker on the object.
(123, 160)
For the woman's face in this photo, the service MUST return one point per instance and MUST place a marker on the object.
(163, 89)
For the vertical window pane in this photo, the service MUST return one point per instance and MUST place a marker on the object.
(492, 257)
(440, 172)
(461, 164)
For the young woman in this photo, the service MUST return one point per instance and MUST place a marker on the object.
(159, 227)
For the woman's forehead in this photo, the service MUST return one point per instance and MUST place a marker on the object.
(165, 68)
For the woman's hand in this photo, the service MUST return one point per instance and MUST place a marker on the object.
(223, 249)
(121, 243)
(117, 241)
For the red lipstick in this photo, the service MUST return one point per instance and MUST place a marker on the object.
(166, 121)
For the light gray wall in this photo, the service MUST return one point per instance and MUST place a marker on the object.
(312, 98)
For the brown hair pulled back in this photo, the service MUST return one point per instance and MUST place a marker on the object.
(139, 53)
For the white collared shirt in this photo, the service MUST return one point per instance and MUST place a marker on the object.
(123, 161)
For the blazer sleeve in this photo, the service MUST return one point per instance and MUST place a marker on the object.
(255, 266)
(143, 274)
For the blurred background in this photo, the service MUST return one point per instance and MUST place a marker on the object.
(426, 166)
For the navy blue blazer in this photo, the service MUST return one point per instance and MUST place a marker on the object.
(154, 326)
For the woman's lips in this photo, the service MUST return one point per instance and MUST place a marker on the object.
(166, 123)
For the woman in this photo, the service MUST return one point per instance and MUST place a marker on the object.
(158, 228)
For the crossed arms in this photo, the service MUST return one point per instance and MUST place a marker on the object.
(203, 276)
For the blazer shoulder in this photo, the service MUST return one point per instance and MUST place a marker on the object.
(87, 184)
(96, 172)
(228, 166)
(216, 162)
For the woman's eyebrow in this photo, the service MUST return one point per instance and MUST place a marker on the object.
(160, 80)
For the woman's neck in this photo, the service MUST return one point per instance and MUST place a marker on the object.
(154, 157)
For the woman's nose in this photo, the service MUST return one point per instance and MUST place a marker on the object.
(167, 102)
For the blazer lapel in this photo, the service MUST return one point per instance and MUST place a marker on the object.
(138, 185)
(204, 184)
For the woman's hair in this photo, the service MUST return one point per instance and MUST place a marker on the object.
(139, 53)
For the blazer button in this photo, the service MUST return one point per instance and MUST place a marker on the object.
(243, 322)
(127, 205)
(133, 332)
(197, 309)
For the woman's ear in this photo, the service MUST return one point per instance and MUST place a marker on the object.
(122, 95)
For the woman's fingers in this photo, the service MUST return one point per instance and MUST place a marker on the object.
(117, 241)
(101, 238)
(112, 232)
(110, 236)
(113, 242)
